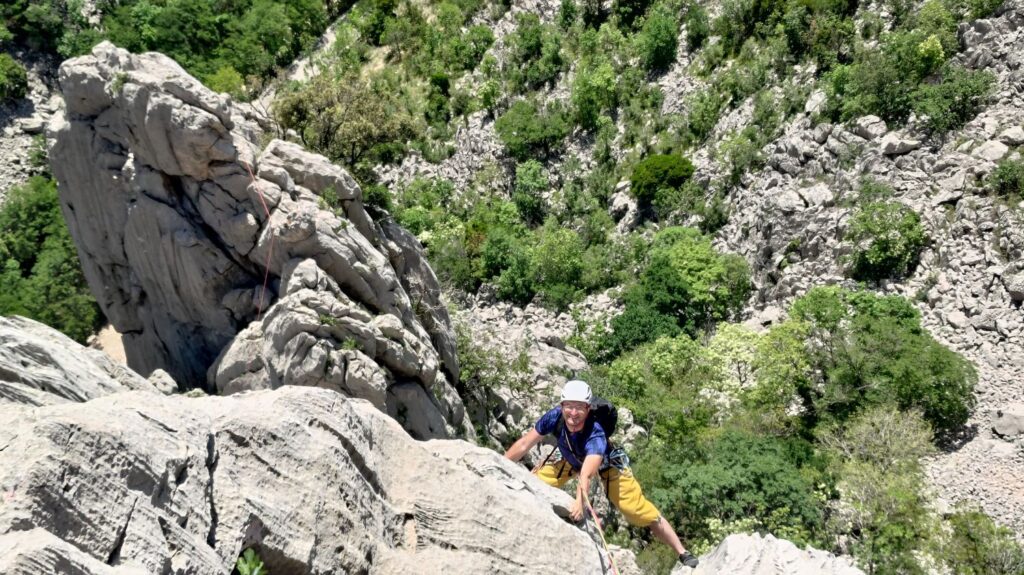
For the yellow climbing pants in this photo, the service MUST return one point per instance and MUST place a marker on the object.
(621, 488)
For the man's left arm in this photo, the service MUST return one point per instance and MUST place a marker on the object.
(591, 466)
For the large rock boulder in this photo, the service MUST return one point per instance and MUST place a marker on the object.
(316, 482)
(41, 366)
(743, 554)
(187, 229)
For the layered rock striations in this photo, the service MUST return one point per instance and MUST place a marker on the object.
(139, 482)
(191, 234)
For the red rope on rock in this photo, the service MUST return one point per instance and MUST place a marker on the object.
(270, 250)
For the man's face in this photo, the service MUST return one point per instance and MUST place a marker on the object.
(575, 414)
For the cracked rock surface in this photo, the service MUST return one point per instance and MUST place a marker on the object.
(189, 232)
(318, 482)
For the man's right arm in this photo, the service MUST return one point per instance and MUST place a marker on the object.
(524, 445)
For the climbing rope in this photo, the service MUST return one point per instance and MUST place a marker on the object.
(597, 521)
(270, 250)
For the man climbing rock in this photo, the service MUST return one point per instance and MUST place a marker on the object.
(586, 452)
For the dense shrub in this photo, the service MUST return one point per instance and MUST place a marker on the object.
(13, 79)
(348, 121)
(528, 132)
(977, 546)
(888, 238)
(698, 28)
(886, 518)
(1007, 180)
(659, 172)
(593, 92)
(686, 286)
(658, 39)
(528, 195)
(556, 265)
(535, 57)
(40, 275)
(767, 484)
(951, 103)
(866, 350)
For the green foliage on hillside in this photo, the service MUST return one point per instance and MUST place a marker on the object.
(40, 276)
(658, 176)
(1007, 180)
(685, 286)
(887, 237)
(13, 79)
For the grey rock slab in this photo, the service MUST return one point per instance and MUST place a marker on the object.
(893, 144)
(1009, 422)
(869, 127)
(743, 554)
(1012, 136)
(1015, 286)
(992, 151)
(37, 551)
(40, 365)
(319, 482)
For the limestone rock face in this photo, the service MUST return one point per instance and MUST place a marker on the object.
(41, 366)
(181, 220)
(743, 554)
(317, 482)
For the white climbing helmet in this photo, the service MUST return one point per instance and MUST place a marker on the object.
(576, 390)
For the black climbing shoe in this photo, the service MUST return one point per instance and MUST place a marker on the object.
(689, 560)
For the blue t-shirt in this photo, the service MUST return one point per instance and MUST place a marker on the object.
(575, 447)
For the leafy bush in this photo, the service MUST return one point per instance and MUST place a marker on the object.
(685, 286)
(556, 265)
(886, 514)
(977, 546)
(13, 79)
(954, 101)
(698, 27)
(658, 39)
(40, 275)
(1007, 180)
(348, 121)
(527, 132)
(593, 92)
(865, 350)
(250, 564)
(659, 172)
(888, 238)
(528, 196)
(767, 483)
(535, 58)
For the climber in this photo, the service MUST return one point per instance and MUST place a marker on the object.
(580, 434)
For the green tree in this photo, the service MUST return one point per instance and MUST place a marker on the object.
(888, 238)
(528, 195)
(40, 275)
(347, 121)
(867, 350)
(658, 39)
(527, 132)
(13, 79)
(977, 546)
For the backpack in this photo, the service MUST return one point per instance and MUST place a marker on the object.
(604, 413)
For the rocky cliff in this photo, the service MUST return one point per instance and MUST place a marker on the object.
(132, 481)
(191, 233)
